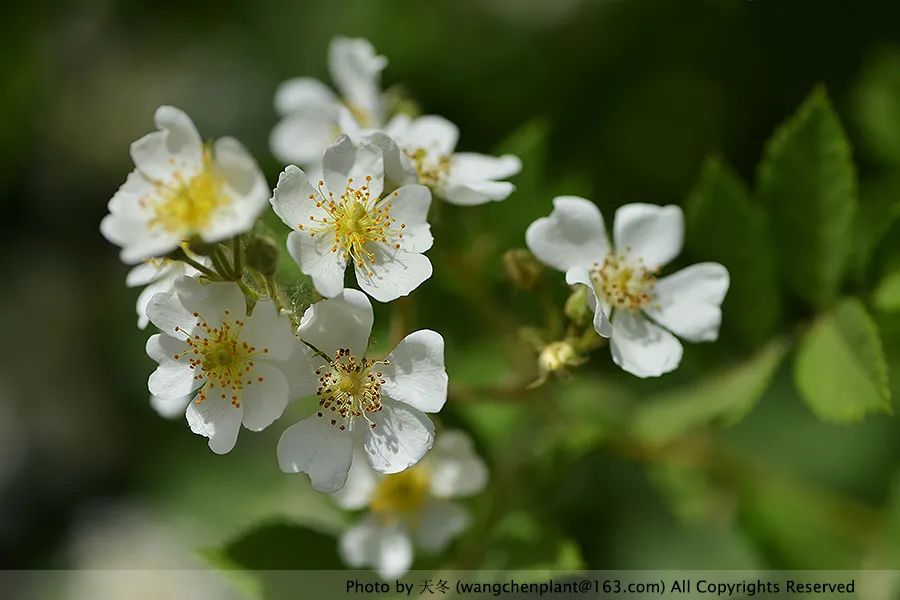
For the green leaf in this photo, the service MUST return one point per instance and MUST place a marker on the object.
(725, 397)
(807, 182)
(879, 208)
(840, 369)
(718, 212)
(887, 295)
(877, 105)
(251, 559)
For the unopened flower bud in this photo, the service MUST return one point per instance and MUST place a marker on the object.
(577, 309)
(522, 268)
(262, 254)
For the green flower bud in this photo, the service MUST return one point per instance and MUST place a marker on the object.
(577, 309)
(522, 268)
(262, 254)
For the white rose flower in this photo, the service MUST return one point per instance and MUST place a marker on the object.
(465, 178)
(313, 116)
(183, 188)
(412, 508)
(235, 367)
(343, 217)
(633, 306)
(382, 404)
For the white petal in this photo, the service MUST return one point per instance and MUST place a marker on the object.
(291, 198)
(641, 347)
(148, 272)
(177, 146)
(216, 419)
(687, 303)
(455, 468)
(652, 233)
(398, 170)
(143, 299)
(345, 160)
(314, 256)
(573, 235)
(166, 311)
(393, 273)
(360, 486)
(356, 71)
(439, 522)
(214, 302)
(432, 133)
(385, 547)
(474, 193)
(300, 371)
(401, 437)
(137, 240)
(415, 372)
(170, 408)
(471, 167)
(173, 378)
(245, 184)
(302, 93)
(581, 276)
(344, 321)
(409, 205)
(268, 329)
(303, 137)
(264, 401)
(318, 449)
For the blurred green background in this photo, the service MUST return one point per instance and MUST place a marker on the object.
(619, 101)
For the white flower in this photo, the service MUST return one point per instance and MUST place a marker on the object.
(313, 115)
(183, 188)
(382, 404)
(343, 217)
(234, 366)
(414, 506)
(464, 178)
(632, 305)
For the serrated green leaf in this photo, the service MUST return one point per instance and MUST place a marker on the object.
(840, 369)
(887, 295)
(719, 212)
(725, 398)
(807, 183)
(877, 105)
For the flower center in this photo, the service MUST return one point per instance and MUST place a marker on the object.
(189, 204)
(355, 220)
(218, 355)
(348, 388)
(430, 167)
(624, 283)
(402, 493)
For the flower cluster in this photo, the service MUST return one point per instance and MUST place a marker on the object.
(231, 352)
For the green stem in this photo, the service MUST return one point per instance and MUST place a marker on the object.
(248, 291)
(221, 263)
(317, 351)
(182, 256)
(237, 256)
(272, 287)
